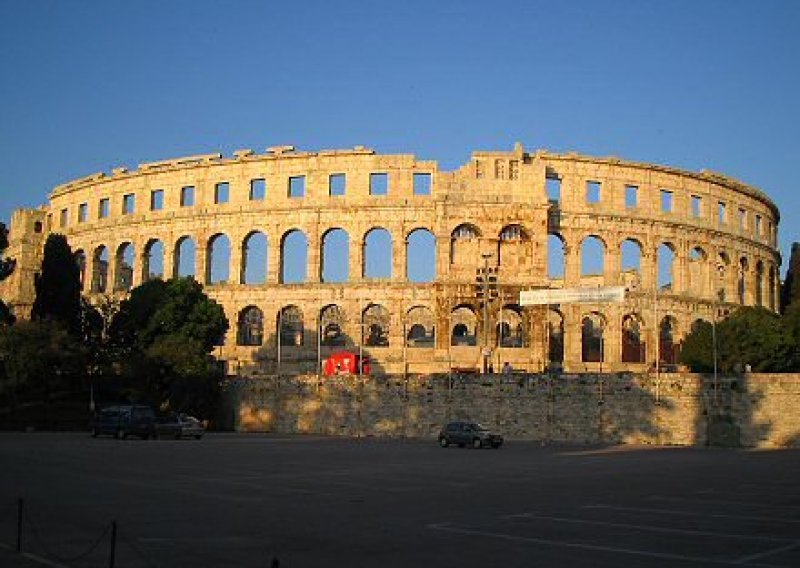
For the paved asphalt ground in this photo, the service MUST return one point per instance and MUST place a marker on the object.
(242, 500)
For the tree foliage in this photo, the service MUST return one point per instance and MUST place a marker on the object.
(6, 268)
(58, 287)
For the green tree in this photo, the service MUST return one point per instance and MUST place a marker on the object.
(165, 333)
(6, 268)
(58, 287)
(790, 291)
(697, 350)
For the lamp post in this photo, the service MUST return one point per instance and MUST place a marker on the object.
(486, 285)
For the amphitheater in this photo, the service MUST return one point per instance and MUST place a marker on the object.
(420, 269)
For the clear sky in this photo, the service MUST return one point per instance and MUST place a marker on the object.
(696, 84)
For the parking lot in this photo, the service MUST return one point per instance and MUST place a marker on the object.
(243, 500)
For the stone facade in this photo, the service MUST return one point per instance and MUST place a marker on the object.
(750, 410)
(496, 216)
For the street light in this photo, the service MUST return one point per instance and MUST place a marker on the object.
(485, 291)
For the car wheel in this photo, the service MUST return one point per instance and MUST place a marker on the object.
(443, 442)
(121, 434)
(94, 432)
(178, 435)
(476, 443)
(198, 436)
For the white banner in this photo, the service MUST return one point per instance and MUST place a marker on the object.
(598, 295)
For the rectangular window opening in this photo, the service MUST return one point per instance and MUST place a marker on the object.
(422, 184)
(758, 226)
(104, 209)
(187, 196)
(378, 184)
(631, 196)
(697, 206)
(258, 189)
(297, 186)
(553, 187)
(157, 200)
(83, 212)
(222, 192)
(666, 201)
(64, 217)
(593, 192)
(742, 219)
(337, 185)
(128, 204)
(722, 213)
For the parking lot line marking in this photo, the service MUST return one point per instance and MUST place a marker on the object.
(692, 514)
(720, 502)
(648, 528)
(34, 557)
(759, 555)
(447, 527)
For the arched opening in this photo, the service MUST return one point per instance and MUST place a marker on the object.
(153, 260)
(378, 254)
(555, 256)
(722, 278)
(668, 349)
(255, 250)
(421, 256)
(741, 287)
(185, 257)
(510, 331)
(291, 330)
(336, 256)
(633, 345)
(592, 345)
(251, 327)
(593, 254)
(511, 247)
(760, 283)
(465, 245)
(666, 267)
(375, 323)
(123, 280)
(464, 326)
(100, 270)
(80, 262)
(420, 327)
(631, 263)
(331, 323)
(218, 267)
(294, 257)
(698, 271)
(555, 337)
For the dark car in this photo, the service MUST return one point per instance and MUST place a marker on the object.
(179, 426)
(123, 420)
(469, 433)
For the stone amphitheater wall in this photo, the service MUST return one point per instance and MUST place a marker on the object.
(495, 212)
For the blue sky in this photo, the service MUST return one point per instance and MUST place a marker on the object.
(87, 86)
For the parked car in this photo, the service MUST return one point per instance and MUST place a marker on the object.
(469, 433)
(179, 426)
(124, 420)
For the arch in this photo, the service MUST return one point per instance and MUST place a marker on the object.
(464, 327)
(511, 245)
(722, 277)
(378, 253)
(100, 270)
(153, 260)
(593, 254)
(255, 258)
(556, 251)
(592, 340)
(555, 337)
(698, 271)
(465, 245)
(668, 348)
(335, 259)
(251, 327)
(666, 267)
(510, 330)
(331, 323)
(218, 263)
(80, 262)
(185, 257)
(759, 283)
(631, 263)
(294, 257)
(375, 321)
(291, 329)
(420, 327)
(123, 277)
(633, 346)
(741, 282)
(421, 256)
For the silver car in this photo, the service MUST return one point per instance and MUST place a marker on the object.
(180, 426)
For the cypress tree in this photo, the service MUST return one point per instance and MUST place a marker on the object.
(58, 286)
(790, 291)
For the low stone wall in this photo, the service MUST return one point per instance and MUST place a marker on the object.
(752, 410)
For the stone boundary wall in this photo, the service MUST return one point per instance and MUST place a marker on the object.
(752, 410)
